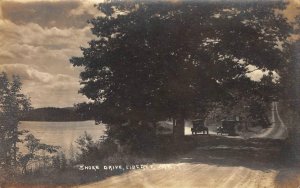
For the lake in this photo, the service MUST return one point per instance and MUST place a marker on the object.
(62, 134)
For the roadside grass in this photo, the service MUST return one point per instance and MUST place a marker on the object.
(164, 150)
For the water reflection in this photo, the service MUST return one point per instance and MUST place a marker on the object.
(63, 134)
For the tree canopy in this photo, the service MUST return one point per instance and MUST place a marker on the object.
(154, 60)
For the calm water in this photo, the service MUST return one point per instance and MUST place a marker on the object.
(62, 134)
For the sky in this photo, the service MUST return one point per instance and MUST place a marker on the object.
(37, 39)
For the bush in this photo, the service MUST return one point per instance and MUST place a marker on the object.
(137, 138)
(91, 151)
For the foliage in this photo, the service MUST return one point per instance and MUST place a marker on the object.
(137, 137)
(91, 151)
(156, 60)
(13, 105)
(59, 161)
(35, 148)
(290, 82)
(54, 114)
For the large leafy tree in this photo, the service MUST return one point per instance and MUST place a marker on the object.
(151, 61)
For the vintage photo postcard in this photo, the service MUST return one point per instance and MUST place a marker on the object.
(150, 94)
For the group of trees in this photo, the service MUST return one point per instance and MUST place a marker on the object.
(156, 60)
(13, 104)
(152, 61)
(54, 114)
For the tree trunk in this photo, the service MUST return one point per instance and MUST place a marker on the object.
(174, 124)
(24, 169)
(178, 130)
(15, 154)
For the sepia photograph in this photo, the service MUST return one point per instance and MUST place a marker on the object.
(149, 93)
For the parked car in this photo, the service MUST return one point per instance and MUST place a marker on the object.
(198, 126)
(228, 127)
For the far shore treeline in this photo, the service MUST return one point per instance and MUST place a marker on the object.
(54, 114)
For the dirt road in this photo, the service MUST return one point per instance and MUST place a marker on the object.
(278, 129)
(225, 163)
(185, 175)
(221, 162)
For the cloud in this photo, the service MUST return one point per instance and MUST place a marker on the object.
(39, 53)
(87, 7)
(27, 1)
(40, 56)
(34, 35)
(44, 88)
(292, 10)
(6, 54)
(26, 72)
(49, 48)
(48, 13)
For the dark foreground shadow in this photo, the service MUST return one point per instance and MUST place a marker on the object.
(251, 153)
(257, 154)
